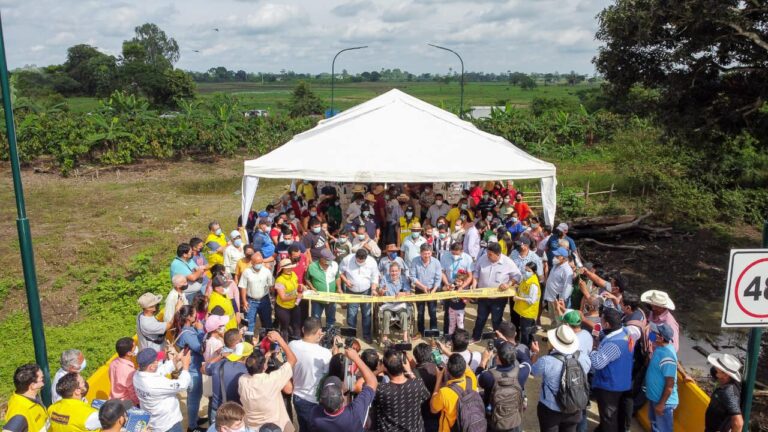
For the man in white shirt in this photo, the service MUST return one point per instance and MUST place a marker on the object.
(71, 360)
(438, 209)
(157, 394)
(360, 276)
(411, 246)
(311, 366)
(176, 298)
(471, 239)
(233, 252)
(559, 283)
(254, 285)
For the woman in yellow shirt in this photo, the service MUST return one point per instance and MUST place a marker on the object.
(219, 298)
(526, 307)
(288, 297)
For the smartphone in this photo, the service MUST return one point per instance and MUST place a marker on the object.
(431, 333)
(557, 297)
(402, 347)
(488, 335)
(348, 332)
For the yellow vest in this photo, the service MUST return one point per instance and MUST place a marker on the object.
(37, 418)
(69, 415)
(522, 307)
(291, 284)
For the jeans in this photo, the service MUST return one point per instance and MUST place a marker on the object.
(329, 309)
(264, 309)
(303, 412)
(494, 308)
(175, 428)
(432, 309)
(352, 309)
(194, 394)
(526, 330)
(608, 407)
(582, 427)
(661, 423)
(555, 421)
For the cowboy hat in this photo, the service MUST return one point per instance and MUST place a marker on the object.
(286, 263)
(563, 339)
(727, 363)
(369, 197)
(657, 298)
(415, 226)
(358, 188)
(403, 197)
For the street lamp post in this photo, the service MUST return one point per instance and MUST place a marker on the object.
(461, 101)
(333, 71)
(22, 226)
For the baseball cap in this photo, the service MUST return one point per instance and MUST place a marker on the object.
(270, 427)
(563, 227)
(112, 410)
(572, 318)
(147, 300)
(147, 356)
(327, 254)
(243, 349)
(234, 234)
(664, 330)
(263, 214)
(560, 252)
(331, 397)
(215, 321)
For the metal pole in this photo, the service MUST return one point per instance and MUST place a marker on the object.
(753, 358)
(461, 100)
(22, 225)
(333, 71)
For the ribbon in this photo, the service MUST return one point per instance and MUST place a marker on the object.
(477, 293)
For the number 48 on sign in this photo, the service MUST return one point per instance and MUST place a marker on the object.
(746, 295)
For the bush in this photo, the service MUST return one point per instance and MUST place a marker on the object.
(570, 204)
(682, 200)
(540, 105)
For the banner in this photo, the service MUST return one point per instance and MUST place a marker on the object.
(477, 293)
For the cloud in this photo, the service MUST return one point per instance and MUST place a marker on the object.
(62, 37)
(352, 8)
(404, 12)
(272, 17)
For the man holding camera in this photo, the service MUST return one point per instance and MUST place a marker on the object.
(498, 271)
(398, 402)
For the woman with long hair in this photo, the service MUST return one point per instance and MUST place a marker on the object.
(190, 337)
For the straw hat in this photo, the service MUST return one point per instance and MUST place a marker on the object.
(563, 339)
(657, 298)
(403, 198)
(358, 188)
(727, 363)
(369, 197)
(286, 263)
(415, 226)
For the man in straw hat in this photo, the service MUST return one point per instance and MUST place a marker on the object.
(411, 245)
(661, 305)
(550, 367)
(724, 410)
(661, 379)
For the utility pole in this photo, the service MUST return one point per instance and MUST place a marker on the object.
(333, 71)
(461, 100)
(22, 225)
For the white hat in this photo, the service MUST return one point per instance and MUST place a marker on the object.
(234, 234)
(727, 363)
(563, 339)
(657, 298)
(563, 227)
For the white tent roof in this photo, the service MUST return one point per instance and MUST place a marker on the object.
(399, 138)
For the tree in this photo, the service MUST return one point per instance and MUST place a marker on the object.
(160, 50)
(706, 60)
(241, 75)
(304, 102)
(95, 71)
(528, 83)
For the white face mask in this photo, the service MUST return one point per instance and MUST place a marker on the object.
(438, 203)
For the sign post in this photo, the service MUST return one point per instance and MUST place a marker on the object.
(746, 305)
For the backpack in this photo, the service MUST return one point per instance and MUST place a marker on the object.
(573, 394)
(471, 410)
(506, 400)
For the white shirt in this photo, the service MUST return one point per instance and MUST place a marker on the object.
(436, 211)
(157, 394)
(256, 283)
(361, 276)
(311, 366)
(170, 304)
(232, 255)
(411, 249)
(55, 396)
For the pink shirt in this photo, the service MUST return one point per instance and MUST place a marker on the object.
(668, 319)
(121, 380)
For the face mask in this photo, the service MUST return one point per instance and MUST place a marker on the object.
(288, 242)
(258, 267)
(291, 216)
(238, 243)
(342, 239)
(438, 203)
(485, 197)
(83, 366)
(456, 257)
(513, 219)
(313, 213)
(463, 206)
(361, 237)
(366, 213)
(336, 203)
(135, 351)
(409, 214)
(415, 235)
(527, 275)
(534, 225)
(489, 218)
(506, 200)
(316, 230)
(427, 190)
(443, 235)
(218, 232)
(392, 255)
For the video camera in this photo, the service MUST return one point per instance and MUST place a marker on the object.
(348, 333)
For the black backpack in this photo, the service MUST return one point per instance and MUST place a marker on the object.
(471, 410)
(573, 394)
(506, 400)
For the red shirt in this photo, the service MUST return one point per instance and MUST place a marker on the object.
(476, 193)
(522, 209)
(121, 380)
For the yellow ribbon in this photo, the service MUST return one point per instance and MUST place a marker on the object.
(477, 293)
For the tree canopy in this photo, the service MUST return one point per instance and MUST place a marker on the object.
(304, 102)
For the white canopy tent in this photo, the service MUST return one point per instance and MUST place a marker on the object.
(397, 138)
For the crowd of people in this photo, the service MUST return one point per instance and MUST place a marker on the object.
(604, 343)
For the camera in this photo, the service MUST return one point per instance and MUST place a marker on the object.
(431, 333)
(348, 333)
(488, 335)
(402, 346)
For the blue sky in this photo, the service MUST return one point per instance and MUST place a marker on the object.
(303, 35)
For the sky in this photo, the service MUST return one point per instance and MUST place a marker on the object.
(304, 35)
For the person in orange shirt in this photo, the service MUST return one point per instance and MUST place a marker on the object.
(521, 207)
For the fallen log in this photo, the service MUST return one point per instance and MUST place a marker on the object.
(592, 221)
(613, 246)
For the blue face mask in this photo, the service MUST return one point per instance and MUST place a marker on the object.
(652, 337)
(527, 275)
(316, 230)
(392, 255)
(218, 232)
(238, 243)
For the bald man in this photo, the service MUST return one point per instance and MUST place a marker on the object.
(176, 298)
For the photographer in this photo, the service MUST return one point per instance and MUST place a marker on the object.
(261, 392)
(460, 345)
(403, 386)
(426, 369)
(504, 386)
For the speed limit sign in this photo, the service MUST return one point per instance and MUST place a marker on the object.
(746, 296)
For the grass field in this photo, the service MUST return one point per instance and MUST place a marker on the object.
(277, 95)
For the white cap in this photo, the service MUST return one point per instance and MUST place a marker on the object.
(234, 234)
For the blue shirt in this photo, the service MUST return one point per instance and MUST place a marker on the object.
(351, 418)
(451, 266)
(531, 257)
(232, 372)
(551, 368)
(429, 274)
(181, 267)
(393, 288)
(262, 243)
(663, 365)
(193, 338)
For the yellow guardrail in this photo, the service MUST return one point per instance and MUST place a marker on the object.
(689, 415)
